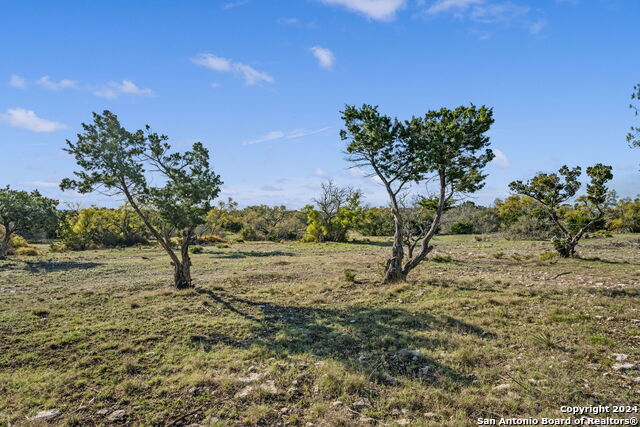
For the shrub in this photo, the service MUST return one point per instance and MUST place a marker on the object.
(548, 256)
(333, 214)
(209, 238)
(57, 247)
(442, 258)
(18, 241)
(26, 250)
(349, 275)
(498, 255)
(275, 223)
(530, 227)
(96, 227)
(463, 227)
(377, 222)
(196, 249)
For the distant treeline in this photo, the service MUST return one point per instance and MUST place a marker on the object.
(517, 217)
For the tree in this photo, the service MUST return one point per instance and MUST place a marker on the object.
(115, 161)
(21, 211)
(552, 190)
(222, 216)
(633, 137)
(448, 147)
(337, 210)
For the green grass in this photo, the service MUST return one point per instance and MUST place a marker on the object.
(276, 333)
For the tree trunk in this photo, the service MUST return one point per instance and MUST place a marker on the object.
(182, 274)
(4, 245)
(393, 272)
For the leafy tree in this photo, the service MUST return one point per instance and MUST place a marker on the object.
(520, 217)
(22, 212)
(260, 222)
(625, 216)
(337, 210)
(97, 227)
(376, 222)
(448, 147)
(222, 216)
(118, 162)
(633, 137)
(552, 190)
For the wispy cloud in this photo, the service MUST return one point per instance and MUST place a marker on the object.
(233, 4)
(127, 87)
(501, 160)
(381, 10)
(441, 6)
(47, 83)
(17, 82)
(45, 184)
(537, 26)
(288, 21)
(27, 119)
(324, 56)
(278, 134)
(250, 75)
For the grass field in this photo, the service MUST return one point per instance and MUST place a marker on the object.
(276, 334)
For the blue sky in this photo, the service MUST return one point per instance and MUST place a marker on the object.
(261, 83)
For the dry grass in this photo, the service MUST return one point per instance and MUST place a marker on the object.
(275, 334)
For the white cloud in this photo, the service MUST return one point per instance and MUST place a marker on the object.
(27, 119)
(270, 188)
(288, 21)
(320, 173)
(44, 184)
(270, 136)
(47, 83)
(537, 26)
(17, 82)
(382, 10)
(234, 4)
(127, 87)
(278, 134)
(482, 11)
(451, 5)
(216, 85)
(324, 56)
(250, 75)
(500, 159)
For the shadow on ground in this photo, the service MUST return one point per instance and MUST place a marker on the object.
(249, 254)
(51, 266)
(381, 342)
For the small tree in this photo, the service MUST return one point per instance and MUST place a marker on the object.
(633, 137)
(222, 216)
(552, 190)
(21, 211)
(337, 210)
(446, 146)
(114, 161)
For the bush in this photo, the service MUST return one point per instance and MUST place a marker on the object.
(26, 250)
(349, 275)
(377, 222)
(498, 255)
(275, 223)
(209, 238)
(96, 227)
(465, 227)
(18, 241)
(530, 227)
(548, 256)
(57, 247)
(442, 258)
(196, 249)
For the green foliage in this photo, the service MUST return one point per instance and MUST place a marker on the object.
(24, 212)
(469, 218)
(119, 162)
(349, 275)
(224, 217)
(625, 216)
(377, 222)
(552, 190)
(633, 137)
(336, 211)
(18, 241)
(522, 218)
(196, 249)
(442, 258)
(449, 147)
(498, 255)
(98, 228)
(262, 222)
(548, 256)
(462, 227)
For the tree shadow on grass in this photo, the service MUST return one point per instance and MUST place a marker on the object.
(52, 266)
(249, 254)
(376, 341)
(372, 243)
